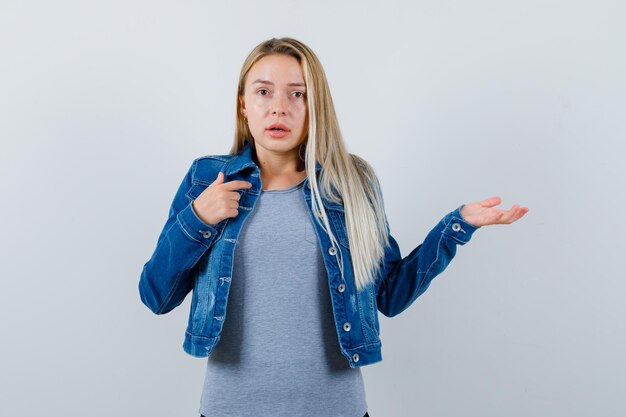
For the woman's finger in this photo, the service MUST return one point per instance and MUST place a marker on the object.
(520, 213)
(510, 215)
(496, 217)
(490, 202)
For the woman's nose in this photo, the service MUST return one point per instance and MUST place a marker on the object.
(278, 105)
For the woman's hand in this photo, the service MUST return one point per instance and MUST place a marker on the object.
(483, 213)
(219, 200)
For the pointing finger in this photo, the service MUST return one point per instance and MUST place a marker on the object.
(237, 184)
(219, 179)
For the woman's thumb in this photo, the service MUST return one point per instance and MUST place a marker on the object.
(490, 202)
(219, 179)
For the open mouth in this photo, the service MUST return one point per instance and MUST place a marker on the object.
(277, 131)
(278, 127)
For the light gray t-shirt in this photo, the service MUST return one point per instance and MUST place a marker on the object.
(279, 355)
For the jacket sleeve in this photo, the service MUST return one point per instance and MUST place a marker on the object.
(405, 279)
(167, 277)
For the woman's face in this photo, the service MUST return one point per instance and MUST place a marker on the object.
(275, 93)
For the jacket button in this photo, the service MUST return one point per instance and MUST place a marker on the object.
(308, 184)
(346, 326)
(355, 357)
(341, 288)
(332, 250)
(456, 227)
(206, 234)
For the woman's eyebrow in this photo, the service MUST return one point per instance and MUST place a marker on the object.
(260, 81)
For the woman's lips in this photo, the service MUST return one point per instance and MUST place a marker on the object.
(278, 126)
(277, 133)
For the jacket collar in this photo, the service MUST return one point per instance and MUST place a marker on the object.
(244, 160)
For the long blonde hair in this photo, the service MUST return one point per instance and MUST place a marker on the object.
(344, 178)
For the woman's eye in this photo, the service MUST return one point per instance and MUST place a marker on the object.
(299, 92)
(263, 89)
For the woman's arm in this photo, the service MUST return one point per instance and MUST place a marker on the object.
(167, 277)
(407, 278)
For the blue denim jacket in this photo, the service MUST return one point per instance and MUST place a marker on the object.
(192, 255)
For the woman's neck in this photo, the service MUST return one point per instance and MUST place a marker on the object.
(281, 174)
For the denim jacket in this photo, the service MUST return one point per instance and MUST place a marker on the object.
(192, 255)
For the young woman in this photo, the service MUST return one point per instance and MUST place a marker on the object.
(289, 231)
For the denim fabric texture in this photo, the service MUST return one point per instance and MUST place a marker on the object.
(192, 256)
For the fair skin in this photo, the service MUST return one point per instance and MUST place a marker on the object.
(484, 213)
(274, 92)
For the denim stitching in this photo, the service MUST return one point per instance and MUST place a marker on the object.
(184, 229)
(361, 316)
(199, 337)
(454, 235)
(177, 283)
(204, 316)
(374, 343)
(177, 279)
(372, 310)
(343, 238)
(436, 258)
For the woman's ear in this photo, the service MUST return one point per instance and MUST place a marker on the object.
(242, 103)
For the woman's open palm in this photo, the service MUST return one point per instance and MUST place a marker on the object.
(483, 213)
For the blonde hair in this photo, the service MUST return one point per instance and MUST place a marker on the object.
(344, 178)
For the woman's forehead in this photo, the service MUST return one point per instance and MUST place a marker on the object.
(276, 69)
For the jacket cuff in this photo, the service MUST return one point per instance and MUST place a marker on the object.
(194, 227)
(457, 228)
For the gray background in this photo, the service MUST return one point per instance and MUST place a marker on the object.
(105, 104)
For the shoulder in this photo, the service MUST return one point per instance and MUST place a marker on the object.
(209, 160)
(204, 168)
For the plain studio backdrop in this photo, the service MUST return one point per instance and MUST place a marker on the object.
(104, 105)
